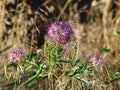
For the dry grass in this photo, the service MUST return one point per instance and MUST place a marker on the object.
(18, 27)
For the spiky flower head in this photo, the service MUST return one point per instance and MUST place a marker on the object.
(96, 60)
(59, 31)
(15, 55)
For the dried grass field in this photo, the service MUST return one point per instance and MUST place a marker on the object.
(96, 31)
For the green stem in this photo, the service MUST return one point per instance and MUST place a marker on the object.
(33, 77)
(30, 79)
(107, 71)
(116, 78)
(5, 70)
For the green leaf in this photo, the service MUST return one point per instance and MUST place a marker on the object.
(59, 66)
(32, 85)
(34, 76)
(67, 72)
(45, 47)
(9, 87)
(82, 80)
(105, 50)
(114, 78)
(64, 61)
(118, 32)
(5, 71)
(6, 67)
(77, 62)
(30, 57)
(13, 65)
(80, 70)
(74, 54)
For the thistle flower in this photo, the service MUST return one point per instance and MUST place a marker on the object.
(59, 31)
(15, 55)
(96, 60)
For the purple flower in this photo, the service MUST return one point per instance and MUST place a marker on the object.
(15, 55)
(59, 31)
(96, 60)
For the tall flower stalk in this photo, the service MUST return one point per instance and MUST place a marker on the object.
(14, 55)
(59, 33)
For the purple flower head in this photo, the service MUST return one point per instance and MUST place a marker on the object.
(15, 55)
(59, 31)
(96, 60)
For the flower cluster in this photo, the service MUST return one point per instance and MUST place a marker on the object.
(59, 31)
(96, 60)
(15, 55)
